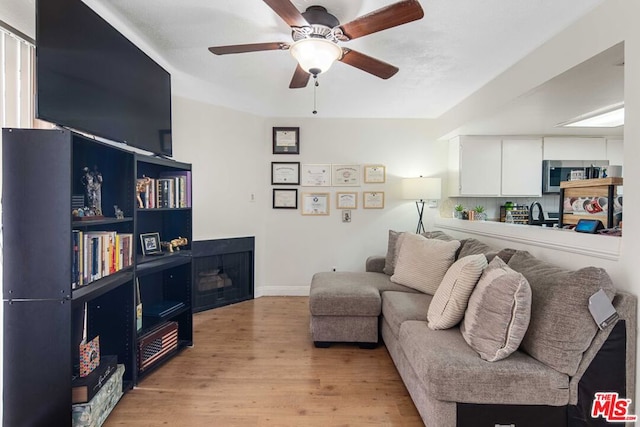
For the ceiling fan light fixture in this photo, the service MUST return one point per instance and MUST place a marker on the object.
(315, 55)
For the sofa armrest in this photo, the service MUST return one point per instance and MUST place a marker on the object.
(375, 264)
(626, 306)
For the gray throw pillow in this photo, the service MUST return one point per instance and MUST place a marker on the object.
(450, 300)
(390, 260)
(472, 247)
(422, 262)
(393, 246)
(498, 313)
(561, 327)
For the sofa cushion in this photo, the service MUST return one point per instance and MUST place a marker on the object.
(422, 262)
(561, 327)
(498, 313)
(398, 307)
(451, 298)
(345, 294)
(472, 247)
(393, 245)
(452, 371)
(390, 260)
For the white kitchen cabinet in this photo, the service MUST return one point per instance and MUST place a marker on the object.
(574, 148)
(615, 151)
(475, 166)
(522, 167)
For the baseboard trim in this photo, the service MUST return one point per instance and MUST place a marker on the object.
(282, 291)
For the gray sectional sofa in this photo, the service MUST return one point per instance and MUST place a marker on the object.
(549, 381)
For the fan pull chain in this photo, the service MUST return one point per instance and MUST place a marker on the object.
(315, 85)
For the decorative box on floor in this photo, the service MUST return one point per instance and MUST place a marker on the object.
(156, 344)
(96, 411)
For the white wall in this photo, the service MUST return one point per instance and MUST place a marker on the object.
(231, 154)
(299, 246)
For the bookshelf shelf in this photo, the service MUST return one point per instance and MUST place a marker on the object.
(101, 286)
(100, 222)
(42, 297)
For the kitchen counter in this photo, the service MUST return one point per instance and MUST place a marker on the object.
(529, 237)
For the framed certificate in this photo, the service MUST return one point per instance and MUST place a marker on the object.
(286, 140)
(374, 174)
(285, 173)
(373, 199)
(285, 198)
(347, 200)
(345, 175)
(316, 175)
(315, 203)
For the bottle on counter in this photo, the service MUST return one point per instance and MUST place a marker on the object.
(508, 217)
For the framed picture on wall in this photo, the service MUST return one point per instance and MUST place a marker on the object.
(345, 175)
(285, 198)
(374, 174)
(316, 175)
(346, 200)
(315, 204)
(286, 140)
(285, 173)
(373, 200)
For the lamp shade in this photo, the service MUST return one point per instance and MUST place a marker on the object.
(421, 188)
(315, 55)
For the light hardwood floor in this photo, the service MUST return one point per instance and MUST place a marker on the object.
(253, 364)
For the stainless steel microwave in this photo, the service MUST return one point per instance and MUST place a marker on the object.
(555, 171)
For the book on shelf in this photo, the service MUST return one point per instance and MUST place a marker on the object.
(182, 187)
(169, 190)
(97, 254)
(84, 388)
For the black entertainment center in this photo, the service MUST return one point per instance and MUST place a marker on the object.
(99, 88)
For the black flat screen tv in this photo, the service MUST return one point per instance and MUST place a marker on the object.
(91, 78)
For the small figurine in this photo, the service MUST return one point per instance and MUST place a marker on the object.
(92, 181)
(118, 212)
(142, 186)
(175, 244)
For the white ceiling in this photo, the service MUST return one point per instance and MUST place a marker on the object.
(457, 48)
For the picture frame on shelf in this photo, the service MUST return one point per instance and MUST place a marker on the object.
(347, 200)
(375, 174)
(286, 140)
(285, 173)
(285, 198)
(345, 175)
(150, 243)
(316, 175)
(373, 199)
(315, 204)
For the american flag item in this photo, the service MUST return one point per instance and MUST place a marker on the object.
(156, 344)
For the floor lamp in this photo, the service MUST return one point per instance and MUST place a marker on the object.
(421, 189)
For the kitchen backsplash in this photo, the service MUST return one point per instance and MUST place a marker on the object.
(549, 202)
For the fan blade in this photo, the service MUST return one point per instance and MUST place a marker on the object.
(366, 63)
(381, 19)
(300, 78)
(243, 48)
(288, 12)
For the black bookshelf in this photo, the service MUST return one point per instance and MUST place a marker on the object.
(43, 312)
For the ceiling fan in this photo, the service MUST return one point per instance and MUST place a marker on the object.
(316, 34)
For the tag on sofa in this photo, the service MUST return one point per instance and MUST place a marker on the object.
(602, 310)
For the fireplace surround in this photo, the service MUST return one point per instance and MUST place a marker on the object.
(223, 272)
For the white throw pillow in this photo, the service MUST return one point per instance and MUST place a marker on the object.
(422, 262)
(498, 313)
(450, 300)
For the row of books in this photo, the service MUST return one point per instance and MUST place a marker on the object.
(170, 190)
(97, 254)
